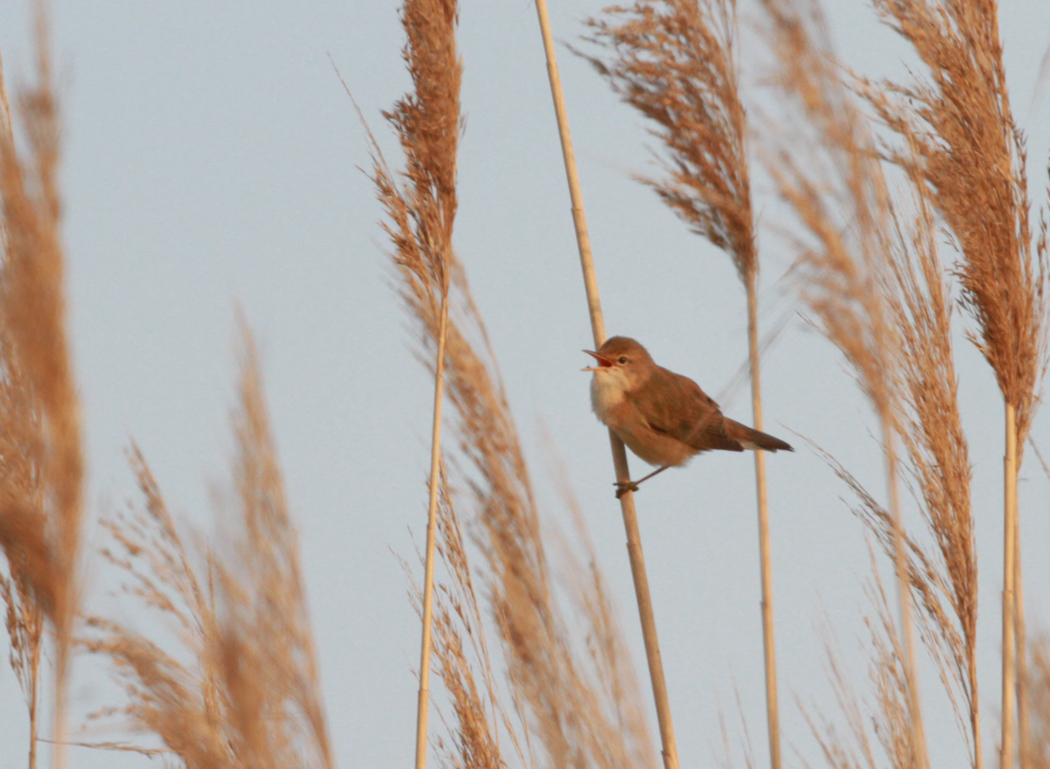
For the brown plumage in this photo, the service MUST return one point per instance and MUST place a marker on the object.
(663, 417)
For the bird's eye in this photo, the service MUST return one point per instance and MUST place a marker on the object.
(622, 360)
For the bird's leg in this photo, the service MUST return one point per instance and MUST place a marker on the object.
(622, 488)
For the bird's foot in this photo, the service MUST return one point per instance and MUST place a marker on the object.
(622, 488)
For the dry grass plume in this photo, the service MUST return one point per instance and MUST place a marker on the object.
(675, 63)
(962, 139)
(890, 310)
(243, 688)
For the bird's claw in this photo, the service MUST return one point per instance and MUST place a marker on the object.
(623, 487)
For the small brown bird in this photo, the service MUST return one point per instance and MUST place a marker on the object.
(663, 417)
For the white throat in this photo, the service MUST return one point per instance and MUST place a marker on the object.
(608, 390)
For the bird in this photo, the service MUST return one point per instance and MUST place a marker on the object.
(663, 417)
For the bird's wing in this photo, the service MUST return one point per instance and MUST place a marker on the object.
(681, 410)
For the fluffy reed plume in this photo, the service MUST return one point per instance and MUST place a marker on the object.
(243, 689)
(41, 484)
(674, 62)
(900, 343)
(840, 199)
(944, 580)
(963, 141)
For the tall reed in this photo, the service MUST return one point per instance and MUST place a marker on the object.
(41, 488)
(969, 150)
(428, 124)
(242, 688)
(839, 197)
(943, 580)
(675, 62)
(558, 706)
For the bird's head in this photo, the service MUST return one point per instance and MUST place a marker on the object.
(623, 361)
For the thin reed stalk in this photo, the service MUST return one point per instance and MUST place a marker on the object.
(34, 702)
(422, 708)
(675, 63)
(1024, 719)
(1009, 644)
(669, 748)
(765, 548)
(40, 524)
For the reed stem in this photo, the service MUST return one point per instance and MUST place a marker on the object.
(423, 705)
(1006, 751)
(1024, 730)
(764, 549)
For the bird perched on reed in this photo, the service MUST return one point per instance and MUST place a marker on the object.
(663, 417)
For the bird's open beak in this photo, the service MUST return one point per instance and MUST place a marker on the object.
(603, 362)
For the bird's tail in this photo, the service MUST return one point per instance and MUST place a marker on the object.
(753, 439)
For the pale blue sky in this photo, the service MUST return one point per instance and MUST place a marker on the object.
(212, 158)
